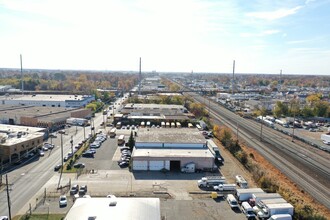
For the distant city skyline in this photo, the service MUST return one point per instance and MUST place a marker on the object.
(171, 36)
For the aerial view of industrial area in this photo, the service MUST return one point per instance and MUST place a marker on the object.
(160, 129)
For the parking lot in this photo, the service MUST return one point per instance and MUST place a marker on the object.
(106, 155)
(178, 192)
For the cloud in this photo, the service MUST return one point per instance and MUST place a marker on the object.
(309, 1)
(260, 34)
(274, 15)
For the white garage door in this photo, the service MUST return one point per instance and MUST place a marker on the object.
(156, 165)
(140, 165)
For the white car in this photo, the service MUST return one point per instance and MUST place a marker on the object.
(326, 142)
(63, 201)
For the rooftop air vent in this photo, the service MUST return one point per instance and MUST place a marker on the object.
(91, 217)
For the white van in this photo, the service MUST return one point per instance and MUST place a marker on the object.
(232, 201)
(281, 217)
(247, 210)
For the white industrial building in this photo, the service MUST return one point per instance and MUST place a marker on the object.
(115, 208)
(171, 149)
(51, 100)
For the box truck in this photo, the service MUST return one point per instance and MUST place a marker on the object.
(275, 209)
(210, 181)
(225, 187)
(246, 194)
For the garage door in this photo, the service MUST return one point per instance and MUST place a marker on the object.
(167, 164)
(156, 165)
(140, 165)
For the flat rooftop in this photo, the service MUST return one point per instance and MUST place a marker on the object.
(172, 153)
(43, 113)
(9, 133)
(152, 106)
(169, 135)
(125, 209)
(44, 97)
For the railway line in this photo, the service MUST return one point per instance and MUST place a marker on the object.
(305, 167)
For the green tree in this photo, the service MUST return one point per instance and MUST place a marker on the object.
(281, 109)
(131, 142)
(307, 112)
(321, 109)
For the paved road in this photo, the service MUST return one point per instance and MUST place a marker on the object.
(28, 179)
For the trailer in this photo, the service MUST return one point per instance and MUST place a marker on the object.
(225, 187)
(275, 209)
(246, 194)
(241, 182)
(215, 151)
(262, 203)
(210, 181)
(257, 197)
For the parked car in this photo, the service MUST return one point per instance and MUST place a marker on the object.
(63, 201)
(57, 167)
(74, 189)
(83, 189)
(123, 164)
(41, 153)
(44, 148)
(79, 165)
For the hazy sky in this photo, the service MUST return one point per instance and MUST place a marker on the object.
(263, 36)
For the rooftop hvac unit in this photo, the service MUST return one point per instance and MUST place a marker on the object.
(3, 140)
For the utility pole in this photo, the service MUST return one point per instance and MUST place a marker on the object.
(84, 132)
(22, 81)
(59, 181)
(71, 142)
(8, 198)
(233, 83)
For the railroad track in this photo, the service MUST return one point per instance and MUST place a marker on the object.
(307, 169)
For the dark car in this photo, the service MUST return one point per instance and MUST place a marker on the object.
(79, 165)
(74, 189)
(88, 154)
(57, 167)
(83, 189)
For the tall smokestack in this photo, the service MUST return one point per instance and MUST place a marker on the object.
(22, 82)
(233, 80)
(140, 78)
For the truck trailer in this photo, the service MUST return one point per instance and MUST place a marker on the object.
(246, 194)
(215, 151)
(210, 181)
(225, 187)
(241, 182)
(262, 203)
(275, 209)
(257, 197)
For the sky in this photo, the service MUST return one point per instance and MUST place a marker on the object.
(262, 36)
